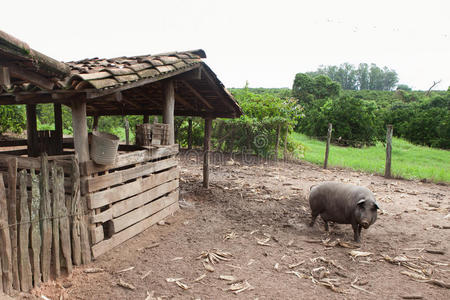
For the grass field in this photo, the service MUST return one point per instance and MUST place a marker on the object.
(408, 161)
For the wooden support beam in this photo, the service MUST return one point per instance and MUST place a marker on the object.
(206, 149)
(184, 102)
(168, 110)
(32, 130)
(57, 110)
(95, 125)
(145, 119)
(216, 89)
(31, 77)
(4, 77)
(197, 94)
(195, 74)
(190, 134)
(80, 132)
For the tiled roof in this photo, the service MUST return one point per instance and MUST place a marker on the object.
(109, 73)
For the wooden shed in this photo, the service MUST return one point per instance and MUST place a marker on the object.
(100, 206)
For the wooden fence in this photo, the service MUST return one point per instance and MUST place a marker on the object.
(124, 199)
(42, 230)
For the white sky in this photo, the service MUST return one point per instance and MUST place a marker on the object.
(264, 42)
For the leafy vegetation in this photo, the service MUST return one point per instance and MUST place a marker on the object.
(364, 77)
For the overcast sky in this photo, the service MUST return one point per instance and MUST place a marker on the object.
(264, 42)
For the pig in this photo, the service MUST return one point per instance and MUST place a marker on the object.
(343, 204)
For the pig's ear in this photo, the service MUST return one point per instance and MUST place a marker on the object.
(361, 202)
(376, 205)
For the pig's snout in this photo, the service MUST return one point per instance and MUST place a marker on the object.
(365, 224)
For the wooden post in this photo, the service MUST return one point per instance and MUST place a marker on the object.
(26, 277)
(285, 143)
(5, 241)
(387, 168)
(12, 217)
(55, 225)
(277, 142)
(64, 227)
(82, 151)
(145, 119)
(206, 148)
(35, 231)
(190, 134)
(168, 110)
(32, 130)
(95, 125)
(80, 132)
(127, 131)
(327, 149)
(57, 110)
(46, 226)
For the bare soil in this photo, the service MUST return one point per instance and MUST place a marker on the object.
(259, 213)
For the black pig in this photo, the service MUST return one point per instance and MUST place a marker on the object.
(343, 204)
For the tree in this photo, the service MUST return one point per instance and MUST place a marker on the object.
(307, 88)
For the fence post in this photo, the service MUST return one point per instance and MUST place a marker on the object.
(387, 168)
(189, 133)
(327, 150)
(277, 142)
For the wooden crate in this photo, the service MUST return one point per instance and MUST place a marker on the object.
(152, 134)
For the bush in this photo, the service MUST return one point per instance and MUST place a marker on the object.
(355, 121)
(12, 117)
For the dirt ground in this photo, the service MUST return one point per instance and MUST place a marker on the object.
(258, 213)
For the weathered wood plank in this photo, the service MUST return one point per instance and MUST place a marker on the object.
(102, 217)
(55, 212)
(98, 235)
(128, 233)
(113, 195)
(35, 163)
(131, 158)
(101, 182)
(45, 216)
(12, 217)
(35, 230)
(76, 214)
(26, 277)
(129, 204)
(5, 241)
(143, 212)
(64, 228)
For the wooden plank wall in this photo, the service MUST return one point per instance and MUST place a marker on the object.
(140, 189)
(35, 194)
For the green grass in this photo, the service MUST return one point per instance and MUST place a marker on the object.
(408, 161)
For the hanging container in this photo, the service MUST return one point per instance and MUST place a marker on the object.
(104, 148)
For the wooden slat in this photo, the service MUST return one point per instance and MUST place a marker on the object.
(110, 196)
(35, 230)
(98, 235)
(64, 229)
(45, 215)
(129, 204)
(55, 213)
(14, 143)
(102, 217)
(26, 277)
(75, 211)
(131, 158)
(101, 182)
(143, 212)
(128, 233)
(5, 241)
(12, 217)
